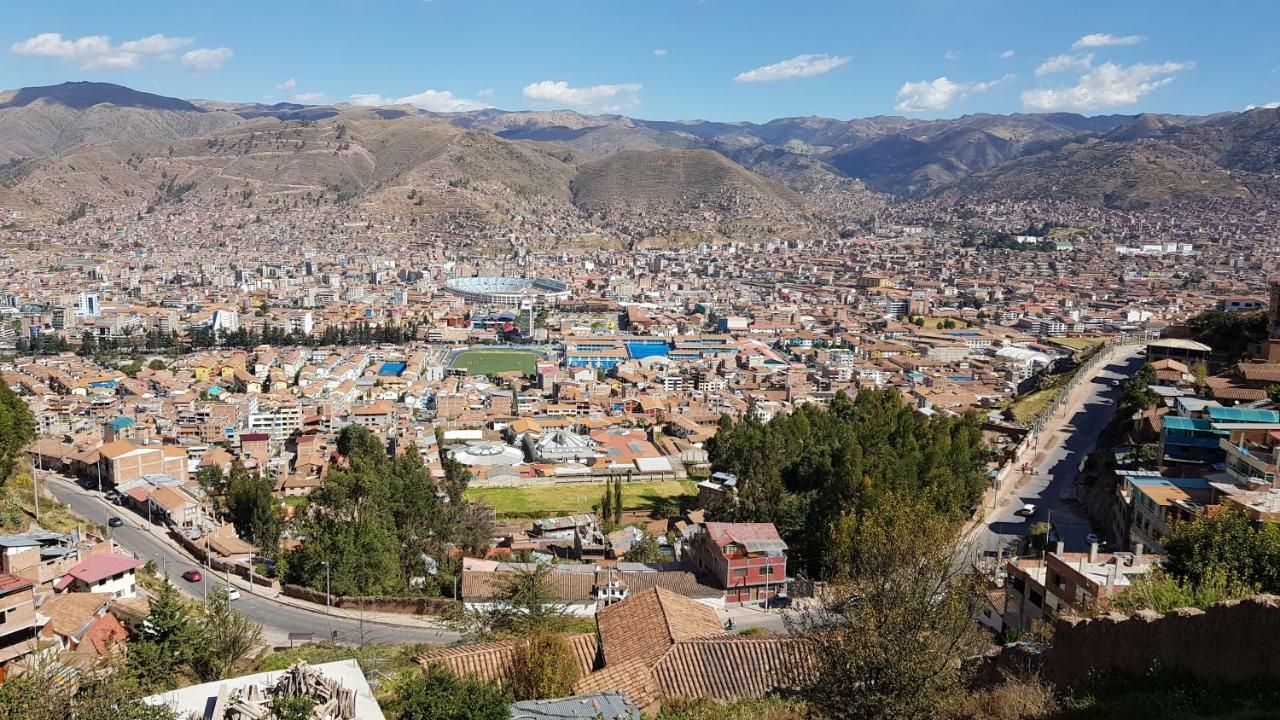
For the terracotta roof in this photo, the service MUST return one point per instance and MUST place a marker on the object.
(1260, 372)
(492, 660)
(70, 613)
(633, 678)
(732, 667)
(13, 583)
(646, 624)
(566, 586)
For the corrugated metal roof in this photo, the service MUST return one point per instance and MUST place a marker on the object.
(1237, 414)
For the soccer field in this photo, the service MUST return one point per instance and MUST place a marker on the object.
(492, 362)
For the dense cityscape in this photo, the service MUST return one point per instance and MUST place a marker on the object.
(416, 408)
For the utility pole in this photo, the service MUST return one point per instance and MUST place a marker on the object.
(35, 485)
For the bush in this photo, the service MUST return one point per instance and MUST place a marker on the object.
(1012, 699)
(544, 667)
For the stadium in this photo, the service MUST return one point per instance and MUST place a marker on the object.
(508, 291)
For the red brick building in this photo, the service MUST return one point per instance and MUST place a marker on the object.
(748, 560)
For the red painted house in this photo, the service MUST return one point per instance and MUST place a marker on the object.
(748, 560)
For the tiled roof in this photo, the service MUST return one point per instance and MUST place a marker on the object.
(565, 586)
(492, 660)
(646, 624)
(12, 583)
(70, 613)
(632, 677)
(732, 667)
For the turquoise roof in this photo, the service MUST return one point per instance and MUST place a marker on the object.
(1246, 415)
(120, 422)
(1177, 422)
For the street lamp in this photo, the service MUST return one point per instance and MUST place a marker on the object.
(327, 595)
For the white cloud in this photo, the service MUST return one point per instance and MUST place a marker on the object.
(487, 92)
(1063, 63)
(157, 44)
(95, 52)
(951, 54)
(660, 52)
(91, 52)
(310, 97)
(205, 59)
(606, 98)
(938, 94)
(429, 100)
(1106, 39)
(1007, 54)
(1267, 106)
(796, 67)
(1107, 85)
(287, 85)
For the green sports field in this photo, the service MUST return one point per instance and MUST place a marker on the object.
(492, 362)
(581, 497)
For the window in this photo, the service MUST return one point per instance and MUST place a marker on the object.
(740, 572)
(767, 570)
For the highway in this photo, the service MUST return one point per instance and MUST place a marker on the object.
(277, 619)
(1065, 445)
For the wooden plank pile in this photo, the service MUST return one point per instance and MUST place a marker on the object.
(332, 701)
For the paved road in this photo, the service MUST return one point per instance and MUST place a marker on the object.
(1055, 470)
(277, 620)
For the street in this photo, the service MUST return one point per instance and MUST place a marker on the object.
(277, 619)
(1068, 441)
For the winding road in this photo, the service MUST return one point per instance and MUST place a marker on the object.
(277, 619)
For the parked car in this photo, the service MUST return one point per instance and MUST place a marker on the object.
(779, 601)
(115, 521)
(1027, 510)
(114, 496)
(192, 576)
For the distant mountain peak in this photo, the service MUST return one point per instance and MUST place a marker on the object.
(83, 95)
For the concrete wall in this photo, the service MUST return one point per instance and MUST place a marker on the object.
(1226, 644)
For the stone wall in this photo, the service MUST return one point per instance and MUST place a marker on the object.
(1228, 644)
(439, 607)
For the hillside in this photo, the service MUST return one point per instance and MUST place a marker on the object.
(98, 143)
(642, 181)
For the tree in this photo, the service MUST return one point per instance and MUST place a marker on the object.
(102, 692)
(17, 430)
(899, 619)
(228, 637)
(88, 344)
(437, 694)
(1200, 373)
(1162, 592)
(254, 509)
(645, 550)
(606, 507)
(525, 605)
(1225, 548)
(164, 648)
(617, 501)
(544, 667)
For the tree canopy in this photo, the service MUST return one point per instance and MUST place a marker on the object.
(1225, 548)
(437, 694)
(377, 519)
(805, 471)
(17, 429)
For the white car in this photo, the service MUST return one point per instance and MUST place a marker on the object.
(233, 593)
(1027, 510)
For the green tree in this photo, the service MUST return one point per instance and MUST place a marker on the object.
(227, 638)
(645, 550)
(1161, 592)
(254, 510)
(437, 694)
(17, 430)
(88, 344)
(525, 605)
(164, 648)
(102, 692)
(616, 506)
(899, 620)
(544, 667)
(1225, 548)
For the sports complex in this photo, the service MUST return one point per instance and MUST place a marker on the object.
(508, 291)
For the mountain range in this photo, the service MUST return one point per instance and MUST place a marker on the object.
(98, 143)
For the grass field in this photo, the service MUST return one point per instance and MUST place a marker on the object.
(1077, 343)
(1027, 407)
(492, 362)
(581, 497)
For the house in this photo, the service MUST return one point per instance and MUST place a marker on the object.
(18, 619)
(748, 560)
(652, 646)
(122, 461)
(107, 573)
(173, 505)
(1039, 589)
(81, 623)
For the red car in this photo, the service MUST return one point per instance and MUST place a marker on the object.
(192, 576)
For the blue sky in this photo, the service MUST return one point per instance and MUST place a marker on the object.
(668, 59)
